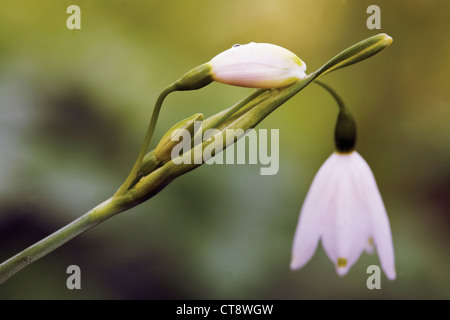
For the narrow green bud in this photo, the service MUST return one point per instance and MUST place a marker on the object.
(149, 163)
(195, 79)
(358, 52)
(345, 132)
(171, 138)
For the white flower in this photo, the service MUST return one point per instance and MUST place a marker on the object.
(345, 210)
(257, 65)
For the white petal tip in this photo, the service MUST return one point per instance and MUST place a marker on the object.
(298, 262)
(295, 265)
(342, 267)
(341, 271)
(370, 247)
(391, 275)
(301, 75)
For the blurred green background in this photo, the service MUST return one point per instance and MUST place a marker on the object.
(74, 107)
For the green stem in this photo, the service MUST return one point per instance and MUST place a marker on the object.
(334, 94)
(234, 109)
(148, 137)
(90, 219)
(345, 130)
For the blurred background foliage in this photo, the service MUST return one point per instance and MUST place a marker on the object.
(74, 107)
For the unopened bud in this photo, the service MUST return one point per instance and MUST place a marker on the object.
(171, 138)
(258, 65)
(253, 65)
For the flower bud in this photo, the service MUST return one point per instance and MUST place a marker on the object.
(257, 65)
(253, 65)
(171, 138)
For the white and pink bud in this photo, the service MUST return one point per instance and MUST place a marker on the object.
(257, 65)
(252, 65)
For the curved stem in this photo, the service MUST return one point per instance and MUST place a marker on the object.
(148, 137)
(336, 97)
(345, 130)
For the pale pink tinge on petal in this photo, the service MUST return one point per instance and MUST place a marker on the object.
(369, 248)
(254, 75)
(344, 208)
(313, 215)
(257, 65)
(381, 230)
(348, 225)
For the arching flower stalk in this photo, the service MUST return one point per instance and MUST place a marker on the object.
(344, 208)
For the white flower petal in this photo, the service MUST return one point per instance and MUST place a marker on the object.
(381, 229)
(257, 65)
(313, 215)
(370, 245)
(347, 229)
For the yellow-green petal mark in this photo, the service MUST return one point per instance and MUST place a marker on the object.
(341, 262)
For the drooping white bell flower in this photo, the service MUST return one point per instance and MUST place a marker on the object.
(257, 65)
(345, 210)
